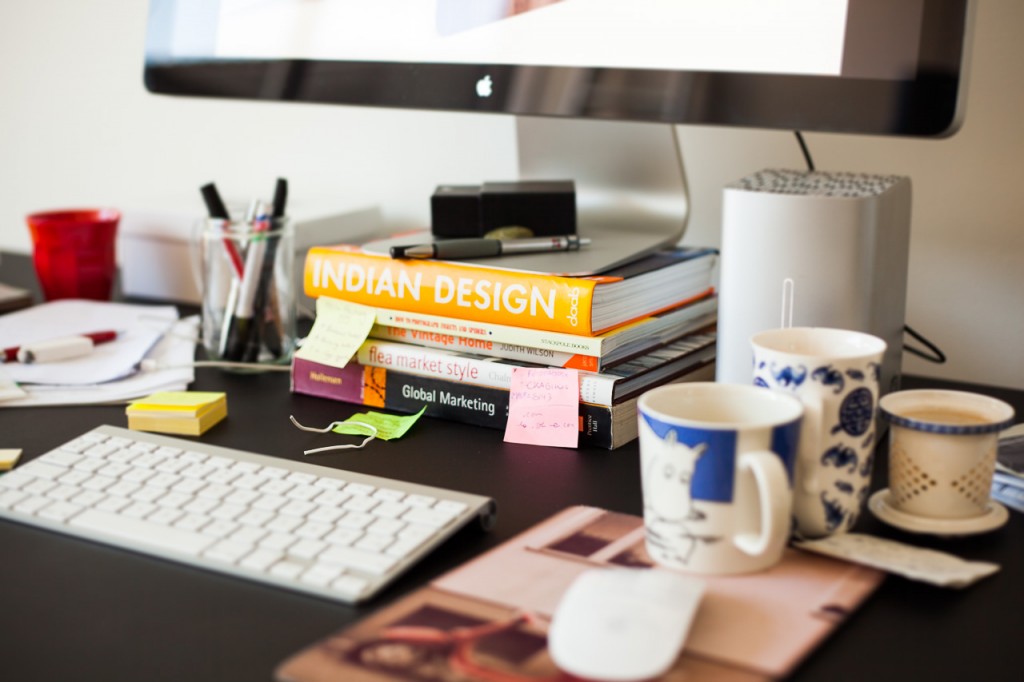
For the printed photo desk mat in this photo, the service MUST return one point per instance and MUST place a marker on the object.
(487, 620)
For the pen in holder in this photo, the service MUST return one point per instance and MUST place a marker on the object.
(248, 292)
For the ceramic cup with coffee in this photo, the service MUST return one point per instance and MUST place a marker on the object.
(942, 451)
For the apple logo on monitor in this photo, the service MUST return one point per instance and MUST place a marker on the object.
(484, 87)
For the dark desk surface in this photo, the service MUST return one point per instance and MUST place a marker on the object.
(74, 610)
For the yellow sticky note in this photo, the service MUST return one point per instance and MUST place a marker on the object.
(338, 331)
(8, 458)
(176, 401)
(388, 426)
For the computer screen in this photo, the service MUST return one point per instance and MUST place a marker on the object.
(586, 77)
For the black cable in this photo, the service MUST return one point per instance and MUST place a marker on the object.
(935, 355)
(805, 150)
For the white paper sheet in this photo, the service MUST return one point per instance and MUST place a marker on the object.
(174, 352)
(139, 328)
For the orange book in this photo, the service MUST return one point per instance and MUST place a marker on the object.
(575, 305)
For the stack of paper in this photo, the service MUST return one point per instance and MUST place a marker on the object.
(183, 412)
(112, 372)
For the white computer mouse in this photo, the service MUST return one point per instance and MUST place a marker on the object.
(619, 624)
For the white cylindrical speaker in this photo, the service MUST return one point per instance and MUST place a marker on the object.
(813, 249)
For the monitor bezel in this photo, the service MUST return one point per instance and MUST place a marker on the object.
(928, 104)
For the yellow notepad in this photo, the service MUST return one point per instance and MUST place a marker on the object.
(179, 412)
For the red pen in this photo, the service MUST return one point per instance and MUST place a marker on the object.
(63, 348)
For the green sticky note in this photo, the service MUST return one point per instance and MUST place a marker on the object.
(388, 426)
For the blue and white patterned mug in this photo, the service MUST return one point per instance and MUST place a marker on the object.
(835, 374)
(716, 464)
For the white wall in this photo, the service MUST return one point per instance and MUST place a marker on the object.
(77, 128)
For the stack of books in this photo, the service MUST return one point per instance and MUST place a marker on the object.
(448, 334)
(188, 413)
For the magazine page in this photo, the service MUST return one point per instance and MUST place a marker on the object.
(487, 620)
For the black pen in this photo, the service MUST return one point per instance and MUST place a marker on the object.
(214, 205)
(461, 249)
(266, 329)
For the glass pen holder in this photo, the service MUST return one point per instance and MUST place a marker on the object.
(248, 289)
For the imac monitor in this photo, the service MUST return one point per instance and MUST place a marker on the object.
(595, 84)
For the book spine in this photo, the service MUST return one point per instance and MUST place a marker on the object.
(465, 368)
(408, 393)
(475, 329)
(498, 349)
(469, 333)
(521, 299)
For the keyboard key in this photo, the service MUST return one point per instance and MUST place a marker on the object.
(59, 511)
(192, 522)
(165, 515)
(388, 494)
(277, 541)
(261, 559)
(289, 570)
(360, 504)
(42, 470)
(227, 551)
(39, 486)
(420, 501)
(321, 575)
(141, 532)
(31, 504)
(360, 489)
(248, 535)
(60, 458)
(359, 560)
(8, 498)
(428, 516)
(307, 550)
(350, 585)
(375, 543)
(113, 504)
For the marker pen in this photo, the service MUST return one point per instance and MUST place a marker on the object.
(54, 350)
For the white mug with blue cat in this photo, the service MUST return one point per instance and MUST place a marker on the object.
(716, 464)
(835, 374)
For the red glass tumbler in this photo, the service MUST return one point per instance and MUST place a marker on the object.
(73, 252)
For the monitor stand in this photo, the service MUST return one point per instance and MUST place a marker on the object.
(631, 194)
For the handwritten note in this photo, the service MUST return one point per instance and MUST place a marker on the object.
(388, 426)
(544, 407)
(338, 331)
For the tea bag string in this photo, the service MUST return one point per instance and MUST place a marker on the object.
(330, 427)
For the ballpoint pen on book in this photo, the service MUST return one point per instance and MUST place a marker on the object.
(53, 350)
(459, 249)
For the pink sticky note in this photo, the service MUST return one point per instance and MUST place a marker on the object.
(544, 407)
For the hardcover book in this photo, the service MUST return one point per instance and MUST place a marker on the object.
(576, 305)
(488, 619)
(554, 349)
(605, 388)
(600, 426)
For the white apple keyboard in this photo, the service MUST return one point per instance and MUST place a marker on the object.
(336, 534)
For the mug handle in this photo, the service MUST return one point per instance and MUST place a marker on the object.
(774, 498)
